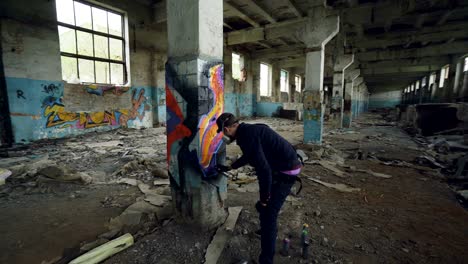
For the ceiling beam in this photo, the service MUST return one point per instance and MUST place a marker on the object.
(241, 14)
(294, 8)
(289, 51)
(262, 11)
(384, 41)
(405, 69)
(429, 51)
(441, 60)
(267, 32)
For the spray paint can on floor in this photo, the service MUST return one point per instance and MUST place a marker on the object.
(304, 233)
(305, 250)
(286, 243)
(305, 241)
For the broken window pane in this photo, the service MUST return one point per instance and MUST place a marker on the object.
(67, 39)
(99, 20)
(85, 43)
(83, 15)
(69, 69)
(298, 81)
(115, 24)
(102, 72)
(116, 49)
(284, 81)
(64, 10)
(117, 73)
(101, 47)
(86, 68)
(236, 68)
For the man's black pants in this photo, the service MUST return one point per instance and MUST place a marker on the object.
(269, 216)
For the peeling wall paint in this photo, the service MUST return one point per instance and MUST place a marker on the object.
(39, 114)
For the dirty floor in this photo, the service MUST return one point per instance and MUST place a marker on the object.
(388, 208)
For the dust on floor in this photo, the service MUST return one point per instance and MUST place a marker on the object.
(396, 211)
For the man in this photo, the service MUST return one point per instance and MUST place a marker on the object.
(277, 166)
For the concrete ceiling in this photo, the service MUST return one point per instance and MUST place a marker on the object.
(396, 42)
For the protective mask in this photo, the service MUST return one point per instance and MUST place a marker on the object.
(228, 140)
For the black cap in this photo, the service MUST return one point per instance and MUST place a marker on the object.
(225, 120)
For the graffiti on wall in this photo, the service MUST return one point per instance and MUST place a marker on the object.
(191, 121)
(210, 141)
(56, 115)
(103, 90)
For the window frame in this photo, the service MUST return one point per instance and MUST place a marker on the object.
(268, 80)
(123, 39)
(240, 65)
(286, 81)
(298, 79)
(465, 65)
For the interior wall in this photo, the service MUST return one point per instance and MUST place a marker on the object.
(31, 54)
(239, 96)
(384, 99)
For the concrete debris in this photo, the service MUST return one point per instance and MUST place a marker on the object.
(158, 200)
(302, 154)
(132, 216)
(337, 186)
(107, 144)
(375, 174)
(161, 182)
(105, 251)
(132, 182)
(463, 194)
(427, 160)
(222, 235)
(4, 174)
(332, 167)
(64, 174)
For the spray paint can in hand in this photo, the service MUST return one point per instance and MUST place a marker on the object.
(304, 234)
(286, 243)
(305, 250)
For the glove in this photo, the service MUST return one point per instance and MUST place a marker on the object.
(260, 206)
(222, 168)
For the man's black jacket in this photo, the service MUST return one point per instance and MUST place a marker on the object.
(265, 150)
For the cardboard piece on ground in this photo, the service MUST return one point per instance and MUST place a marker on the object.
(104, 251)
(337, 186)
(223, 233)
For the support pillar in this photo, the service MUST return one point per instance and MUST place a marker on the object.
(195, 98)
(342, 63)
(351, 77)
(456, 81)
(321, 27)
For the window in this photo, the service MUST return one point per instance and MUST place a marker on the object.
(92, 43)
(432, 78)
(424, 82)
(265, 79)
(298, 83)
(237, 66)
(284, 81)
(465, 68)
(417, 85)
(443, 75)
(412, 87)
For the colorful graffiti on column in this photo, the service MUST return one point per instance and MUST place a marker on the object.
(176, 130)
(56, 115)
(210, 141)
(103, 90)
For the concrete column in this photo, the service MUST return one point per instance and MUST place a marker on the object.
(195, 98)
(350, 77)
(321, 27)
(292, 84)
(435, 88)
(342, 63)
(275, 82)
(456, 81)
